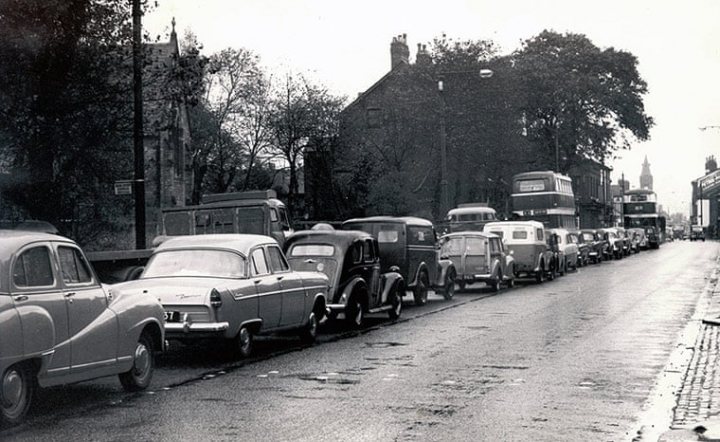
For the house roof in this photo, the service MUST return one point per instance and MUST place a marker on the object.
(402, 65)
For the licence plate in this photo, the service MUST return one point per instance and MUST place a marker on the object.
(172, 316)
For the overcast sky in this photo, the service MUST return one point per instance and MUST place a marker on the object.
(346, 46)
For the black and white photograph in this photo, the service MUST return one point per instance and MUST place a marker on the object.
(318, 220)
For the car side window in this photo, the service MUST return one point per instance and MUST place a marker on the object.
(73, 267)
(277, 260)
(357, 253)
(368, 255)
(539, 234)
(494, 246)
(33, 269)
(259, 263)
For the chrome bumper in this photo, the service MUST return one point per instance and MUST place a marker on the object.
(188, 327)
(336, 307)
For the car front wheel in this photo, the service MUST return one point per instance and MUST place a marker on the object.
(354, 314)
(17, 389)
(309, 332)
(139, 376)
(243, 342)
(449, 286)
(396, 304)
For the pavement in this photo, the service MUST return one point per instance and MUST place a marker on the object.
(696, 414)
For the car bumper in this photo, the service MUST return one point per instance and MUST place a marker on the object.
(336, 307)
(188, 329)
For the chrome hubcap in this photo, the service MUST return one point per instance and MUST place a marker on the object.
(244, 339)
(313, 324)
(358, 314)
(142, 360)
(12, 388)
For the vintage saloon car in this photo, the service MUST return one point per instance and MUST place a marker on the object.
(409, 244)
(478, 257)
(598, 245)
(526, 240)
(231, 287)
(584, 248)
(59, 324)
(615, 243)
(568, 250)
(351, 261)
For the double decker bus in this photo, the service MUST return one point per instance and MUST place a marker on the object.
(640, 210)
(544, 196)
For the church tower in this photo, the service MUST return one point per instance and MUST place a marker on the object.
(646, 178)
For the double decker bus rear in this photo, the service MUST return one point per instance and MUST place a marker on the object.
(544, 196)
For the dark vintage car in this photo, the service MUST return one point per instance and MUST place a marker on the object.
(598, 244)
(696, 234)
(60, 325)
(479, 257)
(409, 244)
(351, 261)
(230, 287)
(615, 243)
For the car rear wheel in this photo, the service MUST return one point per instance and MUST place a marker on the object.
(354, 314)
(16, 392)
(309, 332)
(449, 286)
(420, 293)
(540, 275)
(495, 282)
(243, 342)
(139, 376)
(396, 304)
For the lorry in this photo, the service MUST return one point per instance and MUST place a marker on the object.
(258, 212)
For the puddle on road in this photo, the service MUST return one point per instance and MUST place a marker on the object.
(477, 327)
(328, 378)
(384, 344)
(506, 367)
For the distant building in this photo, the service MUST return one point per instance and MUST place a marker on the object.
(617, 191)
(593, 198)
(646, 178)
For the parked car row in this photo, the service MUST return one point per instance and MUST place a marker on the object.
(59, 324)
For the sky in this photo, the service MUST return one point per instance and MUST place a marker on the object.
(345, 45)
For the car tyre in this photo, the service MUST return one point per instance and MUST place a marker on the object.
(139, 376)
(540, 275)
(396, 304)
(495, 283)
(420, 293)
(243, 342)
(449, 286)
(354, 314)
(309, 332)
(17, 387)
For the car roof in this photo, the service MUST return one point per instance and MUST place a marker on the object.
(535, 224)
(469, 233)
(340, 237)
(410, 220)
(14, 239)
(463, 210)
(235, 241)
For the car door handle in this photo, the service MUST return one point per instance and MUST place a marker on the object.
(257, 281)
(21, 298)
(279, 278)
(69, 295)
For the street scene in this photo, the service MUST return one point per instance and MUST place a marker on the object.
(317, 220)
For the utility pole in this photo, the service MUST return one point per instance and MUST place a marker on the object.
(138, 146)
(557, 147)
(622, 200)
(444, 197)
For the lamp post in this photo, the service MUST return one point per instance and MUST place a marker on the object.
(138, 144)
(444, 195)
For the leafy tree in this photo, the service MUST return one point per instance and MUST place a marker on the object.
(65, 118)
(584, 101)
(302, 113)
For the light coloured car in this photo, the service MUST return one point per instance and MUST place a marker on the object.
(59, 324)
(568, 247)
(527, 241)
(231, 287)
(478, 257)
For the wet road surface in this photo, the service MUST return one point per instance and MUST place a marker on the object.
(571, 359)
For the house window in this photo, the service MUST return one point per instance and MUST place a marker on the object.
(374, 117)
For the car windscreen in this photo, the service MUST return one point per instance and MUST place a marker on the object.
(588, 237)
(199, 263)
(312, 250)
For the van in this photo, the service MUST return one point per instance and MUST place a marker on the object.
(258, 212)
(470, 217)
(527, 240)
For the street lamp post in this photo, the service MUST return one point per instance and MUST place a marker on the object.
(444, 194)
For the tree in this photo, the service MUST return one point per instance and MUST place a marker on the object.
(64, 112)
(301, 113)
(579, 100)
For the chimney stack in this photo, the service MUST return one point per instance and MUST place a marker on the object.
(423, 56)
(399, 51)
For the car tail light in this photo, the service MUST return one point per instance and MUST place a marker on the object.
(215, 299)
